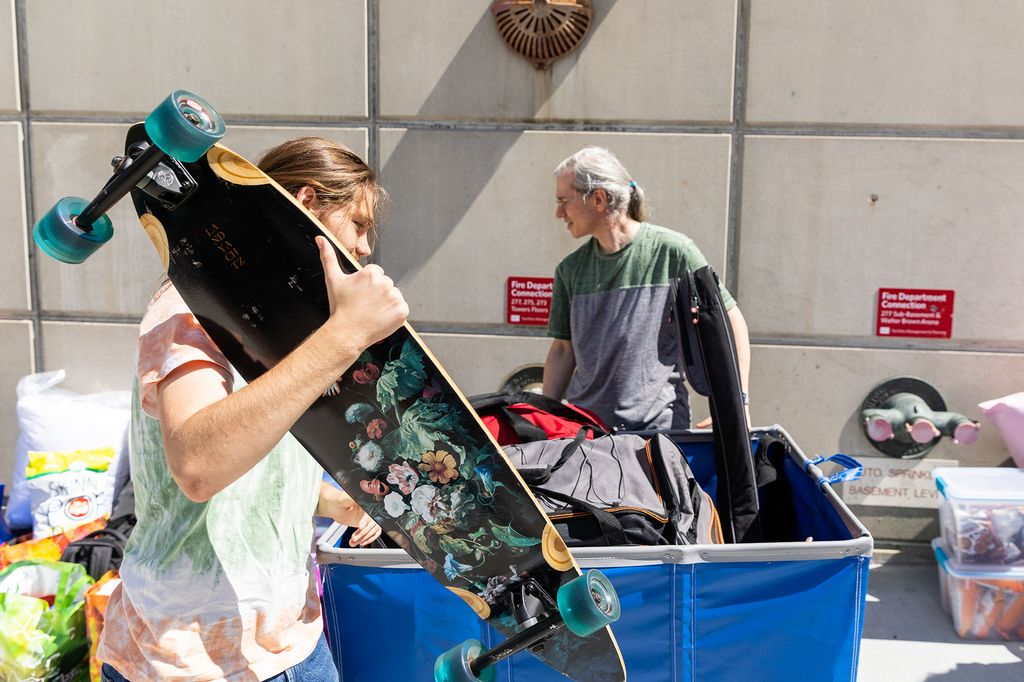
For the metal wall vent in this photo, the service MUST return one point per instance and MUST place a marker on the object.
(543, 30)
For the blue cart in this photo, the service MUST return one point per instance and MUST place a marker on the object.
(786, 610)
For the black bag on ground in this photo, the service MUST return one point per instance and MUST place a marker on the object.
(617, 490)
(103, 549)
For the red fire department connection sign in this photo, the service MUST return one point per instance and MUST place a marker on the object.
(528, 300)
(921, 313)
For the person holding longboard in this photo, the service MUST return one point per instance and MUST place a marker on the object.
(217, 579)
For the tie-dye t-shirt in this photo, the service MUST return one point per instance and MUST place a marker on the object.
(219, 590)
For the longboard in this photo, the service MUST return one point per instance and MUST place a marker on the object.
(394, 431)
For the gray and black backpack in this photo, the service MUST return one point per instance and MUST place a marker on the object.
(617, 490)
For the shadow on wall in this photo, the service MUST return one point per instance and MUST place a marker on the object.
(852, 439)
(471, 68)
(442, 196)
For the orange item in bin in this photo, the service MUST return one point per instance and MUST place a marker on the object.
(966, 606)
(47, 548)
(1012, 619)
(95, 607)
(990, 605)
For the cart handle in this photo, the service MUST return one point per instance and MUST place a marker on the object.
(852, 471)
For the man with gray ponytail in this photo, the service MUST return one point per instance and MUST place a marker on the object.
(615, 351)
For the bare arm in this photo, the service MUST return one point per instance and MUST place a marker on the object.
(558, 368)
(212, 436)
(340, 506)
(742, 337)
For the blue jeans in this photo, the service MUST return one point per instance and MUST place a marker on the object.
(318, 667)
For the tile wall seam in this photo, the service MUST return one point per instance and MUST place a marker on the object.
(824, 342)
(373, 96)
(721, 128)
(86, 318)
(25, 117)
(926, 133)
(870, 343)
(733, 226)
(128, 119)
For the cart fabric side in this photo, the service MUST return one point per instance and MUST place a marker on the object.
(786, 610)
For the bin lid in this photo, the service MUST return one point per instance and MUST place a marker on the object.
(979, 483)
(1000, 576)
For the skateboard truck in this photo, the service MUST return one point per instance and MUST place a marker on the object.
(146, 167)
(119, 185)
(584, 605)
(530, 602)
(182, 128)
(528, 638)
(167, 181)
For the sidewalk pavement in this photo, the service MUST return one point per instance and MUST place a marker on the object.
(908, 637)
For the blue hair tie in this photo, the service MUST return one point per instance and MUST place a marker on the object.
(632, 183)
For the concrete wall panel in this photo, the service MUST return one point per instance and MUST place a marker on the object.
(121, 276)
(453, 238)
(251, 141)
(9, 94)
(827, 221)
(13, 229)
(923, 62)
(96, 357)
(16, 341)
(816, 393)
(249, 58)
(657, 60)
(481, 363)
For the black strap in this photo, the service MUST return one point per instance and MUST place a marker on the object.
(535, 476)
(526, 431)
(611, 528)
(98, 551)
(497, 401)
(116, 535)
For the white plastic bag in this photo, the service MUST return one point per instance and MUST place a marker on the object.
(55, 419)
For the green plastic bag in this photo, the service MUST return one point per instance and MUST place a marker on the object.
(40, 643)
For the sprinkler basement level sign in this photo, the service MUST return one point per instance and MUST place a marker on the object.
(894, 483)
(917, 313)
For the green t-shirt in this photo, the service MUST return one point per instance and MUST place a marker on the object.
(617, 311)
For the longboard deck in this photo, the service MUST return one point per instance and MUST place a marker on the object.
(394, 431)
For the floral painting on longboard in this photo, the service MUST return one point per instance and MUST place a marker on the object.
(419, 467)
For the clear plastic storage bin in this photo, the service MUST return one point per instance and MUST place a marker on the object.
(985, 601)
(982, 514)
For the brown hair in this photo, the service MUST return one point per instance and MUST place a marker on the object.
(334, 171)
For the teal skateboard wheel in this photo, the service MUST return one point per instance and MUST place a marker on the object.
(453, 665)
(184, 126)
(588, 603)
(59, 237)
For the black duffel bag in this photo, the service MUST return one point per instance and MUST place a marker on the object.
(617, 490)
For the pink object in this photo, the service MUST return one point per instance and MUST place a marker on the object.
(1007, 415)
(966, 433)
(879, 429)
(923, 431)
